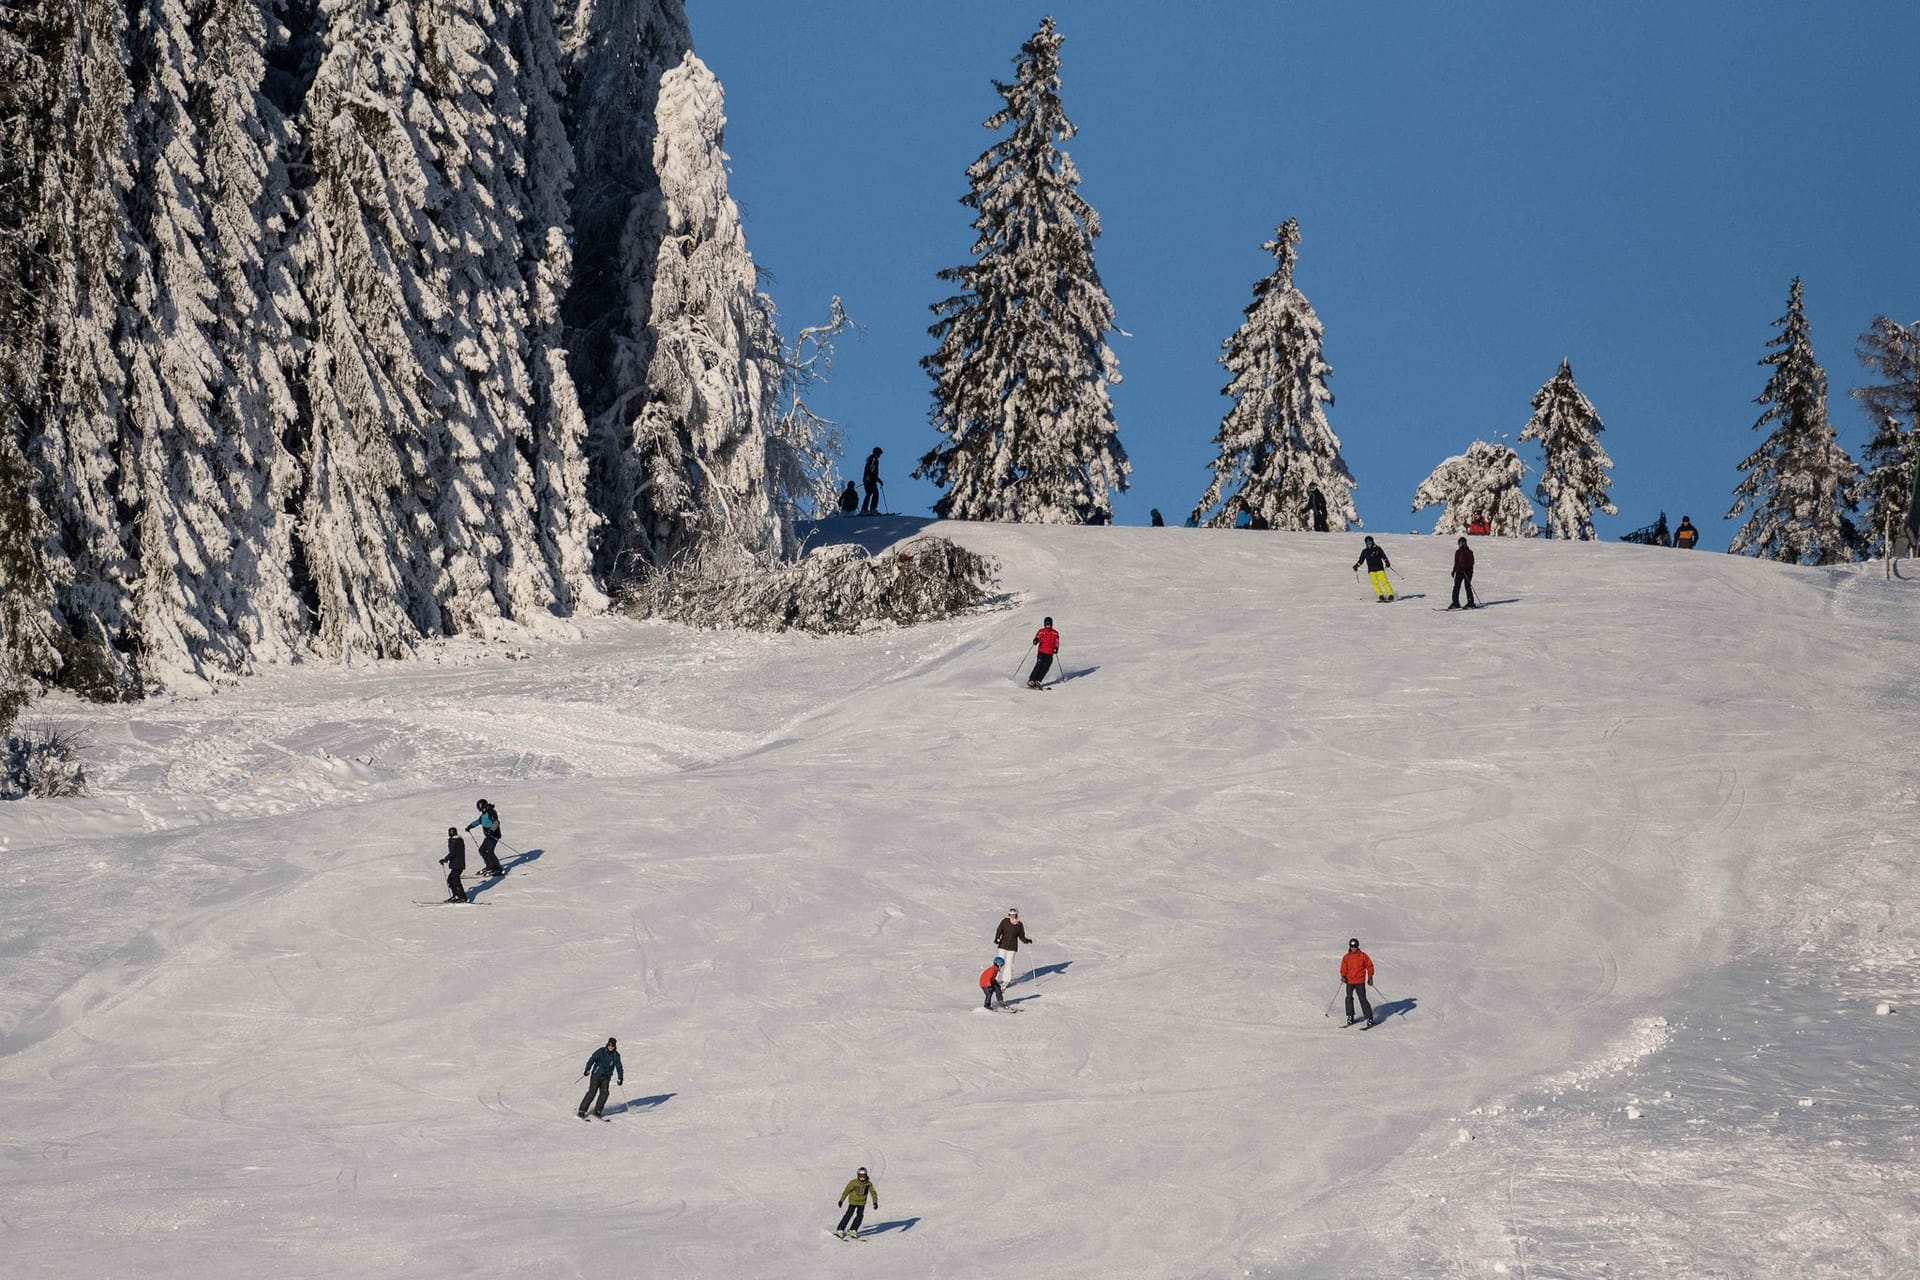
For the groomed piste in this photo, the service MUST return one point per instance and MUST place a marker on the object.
(1630, 848)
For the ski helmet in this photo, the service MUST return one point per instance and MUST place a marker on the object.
(1369, 539)
(453, 831)
(1353, 944)
(1463, 541)
(1046, 622)
(998, 961)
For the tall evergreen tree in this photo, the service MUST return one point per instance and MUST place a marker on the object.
(1023, 365)
(677, 353)
(1891, 353)
(1573, 479)
(1275, 444)
(64, 176)
(1485, 480)
(1798, 490)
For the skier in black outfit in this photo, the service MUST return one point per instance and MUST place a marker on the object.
(870, 478)
(1377, 565)
(1463, 575)
(1317, 508)
(456, 864)
(601, 1068)
(849, 499)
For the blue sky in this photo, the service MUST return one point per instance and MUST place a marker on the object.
(1482, 189)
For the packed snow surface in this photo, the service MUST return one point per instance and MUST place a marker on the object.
(1630, 848)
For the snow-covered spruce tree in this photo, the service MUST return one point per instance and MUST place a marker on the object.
(674, 348)
(420, 515)
(64, 98)
(1891, 353)
(1797, 494)
(366, 528)
(563, 511)
(1275, 444)
(696, 470)
(207, 346)
(1486, 480)
(1573, 477)
(1023, 365)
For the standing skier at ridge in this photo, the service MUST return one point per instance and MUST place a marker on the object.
(456, 864)
(870, 477)
(1009, 936)
(1377, 565)
(1686, 536)
(1356, 970)
(1317, 508)
(855, 1197)
(489, 824)
(990, 987)
(600, 1070)
(1048, 641)
(1463, 575)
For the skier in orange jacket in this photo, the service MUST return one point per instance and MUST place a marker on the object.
(1356, 970)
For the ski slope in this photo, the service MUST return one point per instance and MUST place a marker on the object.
(1631, 849)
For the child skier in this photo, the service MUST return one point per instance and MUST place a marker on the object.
(1048, 641)
(855, 1197)
(990, 987)
(1356, 970)
(456, 864)
(1377, 565)
(489, 824)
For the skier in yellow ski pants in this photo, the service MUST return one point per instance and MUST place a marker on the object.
(1377, 565)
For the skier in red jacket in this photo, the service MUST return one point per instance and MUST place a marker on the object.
(1356, 970)
(1049, 642)
(1463, 575)
(990, 986)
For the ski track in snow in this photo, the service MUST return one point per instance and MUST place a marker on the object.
(1628, 854)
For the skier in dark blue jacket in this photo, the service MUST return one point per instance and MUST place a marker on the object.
(456, 864)
(602, 1067)
(489, 824)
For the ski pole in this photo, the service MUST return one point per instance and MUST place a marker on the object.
(1331, 1001)
(1060, 668)
(1023, 660)
(883, 496)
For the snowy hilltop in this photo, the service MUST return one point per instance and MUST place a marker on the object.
(1625, 846)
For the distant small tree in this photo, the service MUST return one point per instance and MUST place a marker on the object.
(805, 446)
(1486, 479)
(1275, 444)
(1573, 480)
(1891, 354)
(1798, 491)
(1652, 535)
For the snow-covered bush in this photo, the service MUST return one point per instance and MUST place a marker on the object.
(834, 590)
(44, 762)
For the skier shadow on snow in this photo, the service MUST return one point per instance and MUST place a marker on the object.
(1066, 675)
(1041, 972)
(632, 1105)
(1021, 999)
(488, 882)
(898, 1224)
(1488, 604)
(1381, 1012)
